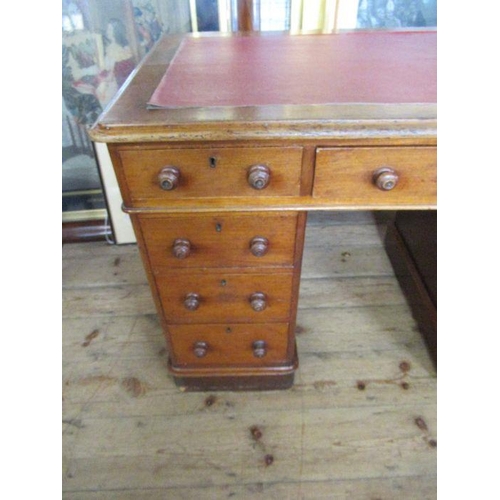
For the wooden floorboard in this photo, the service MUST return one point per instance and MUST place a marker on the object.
(384, 488)
(360, 421)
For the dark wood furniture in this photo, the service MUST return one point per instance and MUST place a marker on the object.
(243, 136)
(88, 230)
(411, 244)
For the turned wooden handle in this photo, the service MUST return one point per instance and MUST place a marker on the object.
(385, 178)
(192, 301)
(258, 301)
(181, 248)
(169, 177)
(259, 246)
(200, 349)
(259, 348)
(259, 176)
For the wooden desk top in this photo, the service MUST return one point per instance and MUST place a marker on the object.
(347, 86)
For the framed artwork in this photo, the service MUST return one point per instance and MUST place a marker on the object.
(82, 63)
(102, 42)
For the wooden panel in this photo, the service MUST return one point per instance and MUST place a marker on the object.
(345, 175)
(225, 295)
(200, 178)
(418, 231)
(229, 344)
(219, 240)
(418, 283)
(245, 15)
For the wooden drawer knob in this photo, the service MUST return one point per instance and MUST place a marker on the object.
(258, 301)
(259, 176)
(192, 301)
(200, 349)
(259, 246)
(385, 178)
(169, 178)
(259, 348)
(181, 248)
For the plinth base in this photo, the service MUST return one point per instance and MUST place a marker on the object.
(235, 379)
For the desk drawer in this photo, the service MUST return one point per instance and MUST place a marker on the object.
(229, 344)
(169, 174)
(212, 297)
(382, 176)
(222, 240)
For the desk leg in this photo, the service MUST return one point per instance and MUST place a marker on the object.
(411, 244)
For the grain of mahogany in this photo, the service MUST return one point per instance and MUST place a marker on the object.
(345, 176)
(141, 168)
(228, 247)
(225, 295)
(226, 349)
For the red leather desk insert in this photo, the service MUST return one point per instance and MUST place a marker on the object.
(257, 70)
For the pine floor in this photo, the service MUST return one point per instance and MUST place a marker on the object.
(359, 423)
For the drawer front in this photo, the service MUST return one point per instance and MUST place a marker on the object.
(210, 172)
(219, 240)
(214, 297)
(229, 344)
(376, 176)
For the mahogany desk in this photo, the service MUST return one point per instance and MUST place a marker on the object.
(222, 144)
